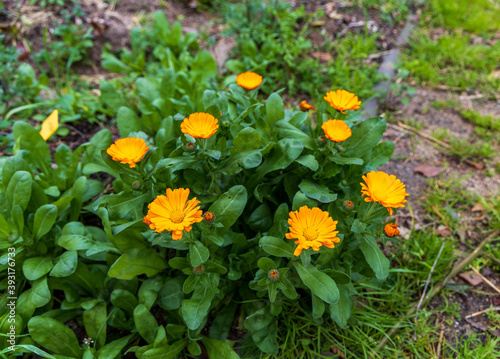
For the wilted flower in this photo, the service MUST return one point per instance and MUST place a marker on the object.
(312, 228)
(50, 125)
(336, 130)
(342, 100)
(200, 125)
(249, 80)
(384, 189)
(128, 150)
(304, 106)
(173, 212)
(391, 230)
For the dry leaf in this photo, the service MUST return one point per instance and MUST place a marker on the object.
(428, 171)
(496, 300)
(471, 278)
(322, 56)
(478, 207)
(477, 325)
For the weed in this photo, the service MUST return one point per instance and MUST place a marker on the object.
(451, 103)
(476, 118)
(464, 149)
(441, 133)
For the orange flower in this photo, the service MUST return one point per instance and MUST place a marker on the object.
(249, 80)
(336, 130)
(128, 150)
(200, 125)
(208, 217)
(173, 213)
(312, 228)
(384, 189)
(342, 100)
(391, 230)
(304, 106)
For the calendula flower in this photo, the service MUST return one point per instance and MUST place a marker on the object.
(304, 106)
(249, 80)
(312, 228)
(384, 189)
(200, 125)
(391, 230)
(208, 217)
(50, 125)
(273, 275)
(128, 150)
(342, 100)
(173, 213)
(336, 130)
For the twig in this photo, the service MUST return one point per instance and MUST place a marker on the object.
(441, 336)
(482, 312)
(455, 270)
(486, 280)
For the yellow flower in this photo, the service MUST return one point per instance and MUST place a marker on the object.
(304, 106)
(336, 130)
(312, 228)
(173, 213)
(200, 125)
(249, 80)
(391, 230)
(342, 100)
(50, 125)
(384, 189)
(128, 150)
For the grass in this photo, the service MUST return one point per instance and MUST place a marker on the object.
(477, 119)
(453, 61)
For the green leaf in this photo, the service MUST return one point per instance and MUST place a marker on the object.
(194, 310)
(381, 154)
(136, 262)
(300, 200)
(283, 154)
(261, 219)
(275, 109)
(34, 350)
(171, 294)
(287, 130)
(123, 299)
(39, 293)
(308, 161)
(66, 264)
(34, 268)
(113, 349)
(218, 350)
(145, 323)
(340, 160)
(127, 121)
(55, 336)
(223, 321)
(203, 66)
(229, 207)
(266, 264)
(318, 307)
(358, 226)
(94, 321)
(27, 138)
(18, 192)
(276, 247)
(317, 191)
(374, 256)
(340, 312)
(198, 253)
(365, 136)
(111, 97)
(318, 282)
(4, 229)
(45, 217)
(263, 328)
(167, 351)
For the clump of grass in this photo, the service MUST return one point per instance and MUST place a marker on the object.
(452, 61)
(475, 16)
(464, 149)
(487, 121)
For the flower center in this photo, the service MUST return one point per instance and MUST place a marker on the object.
(310, 234)
(177, 216)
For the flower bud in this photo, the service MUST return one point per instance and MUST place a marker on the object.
(199, 270)
(208, 217)
(322, 140)
(348, 205)
(190, 147)
(136, 185)
(391, 230)
(273, 275)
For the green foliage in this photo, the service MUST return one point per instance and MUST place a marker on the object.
(439, 61)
